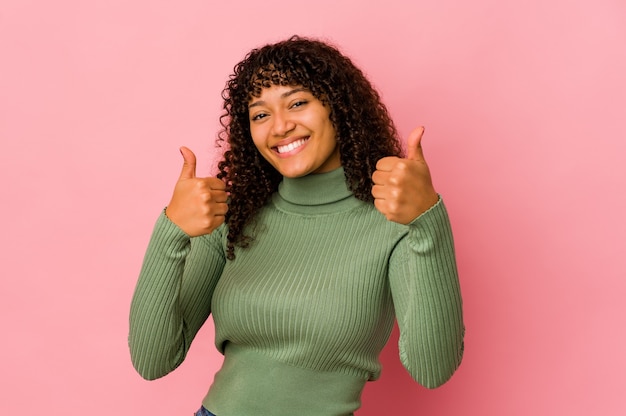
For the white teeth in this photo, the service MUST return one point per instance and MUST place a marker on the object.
(289, 147)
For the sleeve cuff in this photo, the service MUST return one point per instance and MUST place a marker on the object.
(430, 229)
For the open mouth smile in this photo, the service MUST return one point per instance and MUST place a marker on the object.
(291, 146)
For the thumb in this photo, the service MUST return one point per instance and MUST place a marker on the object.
(414, 144)
(189, 164)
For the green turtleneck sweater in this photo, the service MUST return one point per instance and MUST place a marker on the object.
(302, 314)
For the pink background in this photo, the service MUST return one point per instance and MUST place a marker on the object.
(524, 105)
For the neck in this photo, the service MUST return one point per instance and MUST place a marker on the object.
(318, 193)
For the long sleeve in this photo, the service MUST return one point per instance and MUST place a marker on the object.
(172, 297)
(427, 298)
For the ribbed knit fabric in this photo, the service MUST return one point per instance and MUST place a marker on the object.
(302, 315)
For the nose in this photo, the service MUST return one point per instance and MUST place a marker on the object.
(282, 124)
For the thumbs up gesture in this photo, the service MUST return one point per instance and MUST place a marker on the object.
(198, 205)
(403, 188)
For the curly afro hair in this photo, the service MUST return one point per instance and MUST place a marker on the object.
(365, 131)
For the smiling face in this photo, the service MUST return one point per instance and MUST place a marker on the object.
(293, 132)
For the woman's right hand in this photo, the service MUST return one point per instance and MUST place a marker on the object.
(198, 205)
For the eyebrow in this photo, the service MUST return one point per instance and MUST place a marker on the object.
(283, 95)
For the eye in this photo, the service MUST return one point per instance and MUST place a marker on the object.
(299, 103)
(258, 116)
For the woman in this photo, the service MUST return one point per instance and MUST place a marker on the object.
(314, 235)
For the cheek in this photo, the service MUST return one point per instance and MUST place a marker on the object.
(330, 131)
(329, 127)
(257, 138)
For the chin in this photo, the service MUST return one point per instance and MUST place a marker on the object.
(294, 175)
(293, 172)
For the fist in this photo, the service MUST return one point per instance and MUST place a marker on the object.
(403, 189)
(198, 205)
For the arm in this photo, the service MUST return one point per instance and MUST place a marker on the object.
(172, 298)
(427, 298)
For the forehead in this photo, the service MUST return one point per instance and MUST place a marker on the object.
(277, 92)
(270, 75)
(284, 72)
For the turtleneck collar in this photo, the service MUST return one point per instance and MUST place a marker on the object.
(316, 193)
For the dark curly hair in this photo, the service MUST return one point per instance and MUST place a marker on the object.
(365, 131)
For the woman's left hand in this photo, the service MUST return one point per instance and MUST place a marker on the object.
(403, 189)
